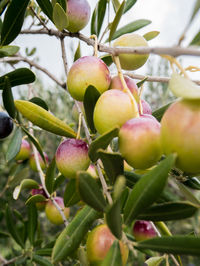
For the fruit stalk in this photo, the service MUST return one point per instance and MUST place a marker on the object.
(95, 44)
(126, 89)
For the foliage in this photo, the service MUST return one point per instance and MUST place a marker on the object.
(110, 194)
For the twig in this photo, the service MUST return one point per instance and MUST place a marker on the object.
(32, 63)
(12, 260)
(64, 56)
(34, 13)
(125, 87)
(173, 51)
(153, 78)
(63, 85)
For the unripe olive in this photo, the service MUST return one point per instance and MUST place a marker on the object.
(143, 230)
(113, 108)
(78, 13)
(131, 61)
(139, 141)
(6, 125)
(99, 241)
(72, 156)
(32, 161)
(180, 127)
(25, 151)
(52, 212)
(117, 85)
(87, 70)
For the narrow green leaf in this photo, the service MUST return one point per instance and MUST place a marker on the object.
(169, 211)
(131, 178)
(3, 5)
(184, 87)
(187, 245)
(63, 4)
(116, 20)
(39, 102)
(140, 83)
(32, 222)
(129, 5)
(108, 60)
(71, 237)
(196, 40)
(44, 119)
(90, 191)
(119, 187)
(102, 142)
(60, 17)
(35, 198)
(114, 219)
(14, 145)
(116, 5)
(113, 164)
(13, 20)
(77, 54)
(158, 114)
(18, 77)
(4, 235)
(131, 27)
(8, 50)
(188, 194)
(50, 176)
(193, 183)
(90, 98)
(11, 225)
(18, 177)
(44, 252)
(151, 35)
(46, 7)
(58, 181)
(41, 261)
(35, 143)
(93, 27)
(8, 100)
(26, 183)
(113, 257)
(195, 10)
(154, 261)
(147, 189)
(101, 10)
(71, 195)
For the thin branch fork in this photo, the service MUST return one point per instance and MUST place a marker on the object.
(173, 51)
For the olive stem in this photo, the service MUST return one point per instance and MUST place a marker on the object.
(173, 60)
(79, 126)
(95, 44)
(125, 87)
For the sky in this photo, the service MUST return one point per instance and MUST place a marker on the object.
(168, 16)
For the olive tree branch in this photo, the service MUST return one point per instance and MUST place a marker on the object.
(40, 20)
(173, 51)
(11, 261)
(32, 63)
(87, 133)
